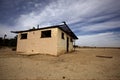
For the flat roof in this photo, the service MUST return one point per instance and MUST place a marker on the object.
(63, 27)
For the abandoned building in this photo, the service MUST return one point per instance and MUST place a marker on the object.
(53, 40)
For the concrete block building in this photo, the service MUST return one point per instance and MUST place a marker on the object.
(53, 40)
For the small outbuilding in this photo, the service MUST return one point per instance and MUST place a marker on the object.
(53, 40)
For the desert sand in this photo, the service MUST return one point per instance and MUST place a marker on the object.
(79, 65)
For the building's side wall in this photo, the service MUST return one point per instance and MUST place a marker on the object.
(35, 44)
(62, 43)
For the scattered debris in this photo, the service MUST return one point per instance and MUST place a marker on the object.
(63, 77)
(105, 56)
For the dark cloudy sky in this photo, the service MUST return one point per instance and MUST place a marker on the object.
(95, 22)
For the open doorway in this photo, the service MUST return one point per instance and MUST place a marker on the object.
(67, 46)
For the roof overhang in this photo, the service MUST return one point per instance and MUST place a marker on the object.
(64, 28)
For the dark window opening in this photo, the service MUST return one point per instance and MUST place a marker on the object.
(62, 35)
(24, 36)
(45, 34)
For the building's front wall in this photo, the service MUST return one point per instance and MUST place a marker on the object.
(62, 43)
(35, 44)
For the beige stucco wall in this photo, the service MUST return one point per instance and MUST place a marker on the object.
(34, 44)
(62, 43)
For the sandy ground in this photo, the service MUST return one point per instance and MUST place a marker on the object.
(79, 65)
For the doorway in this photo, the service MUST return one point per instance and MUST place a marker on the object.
(67, 46)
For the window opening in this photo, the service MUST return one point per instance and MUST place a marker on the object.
(45, 34)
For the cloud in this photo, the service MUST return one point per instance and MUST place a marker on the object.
(83, 16)
(109, 39)
(101, 26)
(86, 12)
(61, 10)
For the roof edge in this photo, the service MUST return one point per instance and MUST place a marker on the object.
(56, 26)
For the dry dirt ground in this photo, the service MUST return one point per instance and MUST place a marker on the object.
(79, 65)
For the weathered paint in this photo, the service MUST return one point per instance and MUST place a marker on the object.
(34, 44)
(62, 43)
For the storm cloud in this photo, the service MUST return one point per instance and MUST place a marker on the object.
(90, 20)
